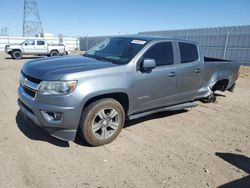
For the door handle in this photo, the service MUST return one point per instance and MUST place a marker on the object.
(197, 70)
(172, 74)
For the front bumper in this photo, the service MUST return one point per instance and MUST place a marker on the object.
(8, 51)
(65, 129)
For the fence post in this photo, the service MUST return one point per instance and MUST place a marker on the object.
(78, 43)
(87, 42)
(225, 49)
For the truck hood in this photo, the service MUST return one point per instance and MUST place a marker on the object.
(55, 67)
(12, 46)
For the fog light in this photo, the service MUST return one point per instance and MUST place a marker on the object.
(52, 116)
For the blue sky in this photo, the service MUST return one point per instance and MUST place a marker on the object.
(107, 17)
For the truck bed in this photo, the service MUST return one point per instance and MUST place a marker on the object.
(219, 69)
(212, 59)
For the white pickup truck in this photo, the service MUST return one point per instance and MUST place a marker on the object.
(34, 47)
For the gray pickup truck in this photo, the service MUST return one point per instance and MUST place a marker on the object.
(121, 78)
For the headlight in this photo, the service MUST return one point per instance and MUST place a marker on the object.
(57, 87)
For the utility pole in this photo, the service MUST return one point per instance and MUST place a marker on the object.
(4, 31)
(32, 24)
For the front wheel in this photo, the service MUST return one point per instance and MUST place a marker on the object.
(101, 122)
(17, 55)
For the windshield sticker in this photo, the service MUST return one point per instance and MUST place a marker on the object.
(141, 42)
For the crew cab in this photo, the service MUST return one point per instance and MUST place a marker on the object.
(34, 47)
(121, 78)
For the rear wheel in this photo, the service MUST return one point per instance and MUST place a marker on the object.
(17, 55)
(210, 99)
(101, 121)
(54, 53)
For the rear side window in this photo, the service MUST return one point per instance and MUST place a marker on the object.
(40, 42)
(162, 53)
(189, 52)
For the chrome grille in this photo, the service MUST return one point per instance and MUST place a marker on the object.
(29, 84)
(29, 92)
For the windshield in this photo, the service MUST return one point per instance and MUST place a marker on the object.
(24, 42)
(116, 50)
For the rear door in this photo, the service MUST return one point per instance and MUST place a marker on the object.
(156, 88)
(41, 47)
(190, 72)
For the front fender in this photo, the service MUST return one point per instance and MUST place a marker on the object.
(102, 92)
(98, 87)
(18, 49)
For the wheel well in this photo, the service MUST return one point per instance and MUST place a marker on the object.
(220, 85)
(13, 50)
(122, 98)
(54, 50)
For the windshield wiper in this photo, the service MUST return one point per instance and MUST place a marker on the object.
(97, 58)
(102, 59)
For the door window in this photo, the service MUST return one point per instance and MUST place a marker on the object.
(40, 43)
(162, 53)
(189, 52)
(30, 42)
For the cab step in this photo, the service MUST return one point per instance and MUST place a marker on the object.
(168, 108)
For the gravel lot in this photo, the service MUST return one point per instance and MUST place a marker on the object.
(207, 146)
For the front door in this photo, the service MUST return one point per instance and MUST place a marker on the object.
(156, 88)
(29, 47)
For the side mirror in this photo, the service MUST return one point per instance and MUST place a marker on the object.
(148, 64)
(25, 44)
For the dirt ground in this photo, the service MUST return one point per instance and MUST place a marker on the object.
(207, 146)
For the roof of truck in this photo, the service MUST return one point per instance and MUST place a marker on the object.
(140, 37)
(150, 38)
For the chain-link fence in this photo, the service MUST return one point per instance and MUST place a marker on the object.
(88, 42)
(231, 43)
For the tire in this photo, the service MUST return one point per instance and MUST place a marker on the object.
(98, 126)
(209, 99)
(54, 53)
(17, 55)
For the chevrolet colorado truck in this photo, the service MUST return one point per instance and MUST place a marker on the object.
(34, 47)
(121, 78)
